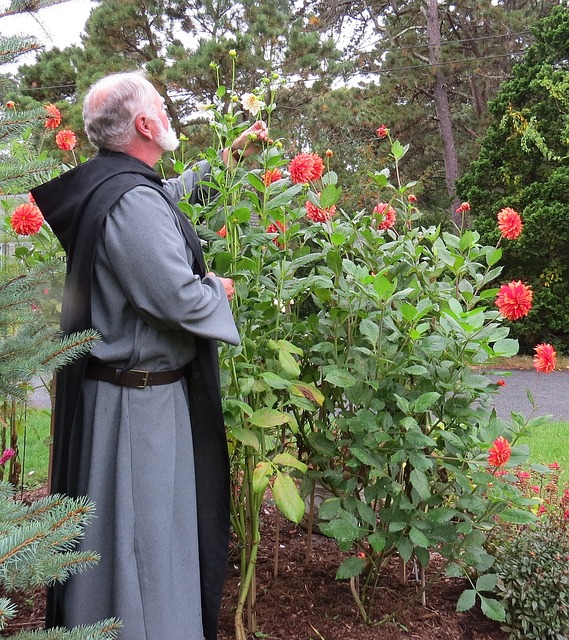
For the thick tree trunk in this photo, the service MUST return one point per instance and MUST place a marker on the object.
(442, 105)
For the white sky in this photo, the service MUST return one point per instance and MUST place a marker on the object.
(56, 26)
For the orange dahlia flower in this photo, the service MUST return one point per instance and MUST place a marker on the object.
(66, 140)
(514, 300)
(544, 359)
(316, 214)
(277, 227)
(499, 453)
(306, 167)
(27, 219)
(382, 131)
(509, 223)
(53, 118)
(387, 213)
(270, 176)
(222, 232)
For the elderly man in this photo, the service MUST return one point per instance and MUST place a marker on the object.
(138, 425)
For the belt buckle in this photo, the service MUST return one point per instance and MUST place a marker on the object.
(146, 375)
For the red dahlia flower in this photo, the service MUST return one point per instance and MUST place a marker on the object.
(6, 455)
(10, 104)
(514, 300)
(382, 131)
(66, 140)
(53, 118)
(387, 213)
(465, 206)
(306, 167)
(27, 219)
(316, 214)
(412, 198)
(509, 223)
(277, 227)
(544, 359)
(499, 453)
(270, 176)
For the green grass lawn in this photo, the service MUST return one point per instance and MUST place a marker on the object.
(34, 447)
(549, 444)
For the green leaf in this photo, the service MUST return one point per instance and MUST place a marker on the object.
(269, 418)
(377, 541)
(246, 436)
(370, 331)
(420, 484)
(466, 600)
(339, 377)
(405, 549)
(506, 348)
(341, 530)
(289, 364)
(288, 460)
(492, 609)
(493, 257)
(261, 474)
(289, 347)
(275, 381)
(398, 150)
(284, 198)
(383, 287)
(338, 238)
(517, 516)
(255, 182)
(287, 498)
(487, 582)
(350, 567)
(425, 401)
(418, 538)
(330, 195)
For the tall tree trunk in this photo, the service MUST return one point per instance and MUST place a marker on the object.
(442, 105)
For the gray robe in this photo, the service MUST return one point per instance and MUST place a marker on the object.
(136, 457)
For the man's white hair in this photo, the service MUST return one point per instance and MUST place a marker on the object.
(111, 106)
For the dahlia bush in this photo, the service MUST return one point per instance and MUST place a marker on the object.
(364, 335)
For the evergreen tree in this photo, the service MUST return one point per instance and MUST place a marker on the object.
(524, 164)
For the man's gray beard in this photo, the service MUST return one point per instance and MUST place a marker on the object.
(167, 138)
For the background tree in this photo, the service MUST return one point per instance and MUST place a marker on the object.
(524, 164)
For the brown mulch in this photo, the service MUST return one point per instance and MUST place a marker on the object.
(305, 602)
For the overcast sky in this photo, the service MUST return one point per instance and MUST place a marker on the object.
(56, 26)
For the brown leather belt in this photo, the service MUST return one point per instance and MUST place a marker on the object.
(136, 378)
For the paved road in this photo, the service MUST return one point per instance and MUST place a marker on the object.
(550, 392)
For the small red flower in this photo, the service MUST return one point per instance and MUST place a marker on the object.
(222, 232)
(270, 176)
(27, 219)
(499, 453)
(535, 489)
(544, 359)
(500, 383)
(387, 213)
(566, 514)
(465, 206)
(555, 466)
(277, 227)
(509, 223)
(514, 300)
(412, 198)
(6, 455)
(53, 118)
(66, 140)
(306, 167)
(542, 509)
(523, 475)
(329, 153)
(10, 104)
(316, 214)
(382, 131)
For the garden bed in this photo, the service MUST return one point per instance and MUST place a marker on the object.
(305, 602)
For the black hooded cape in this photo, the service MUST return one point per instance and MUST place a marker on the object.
(75, 205)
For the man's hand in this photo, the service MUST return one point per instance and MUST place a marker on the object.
(248, 143)
(227, 283)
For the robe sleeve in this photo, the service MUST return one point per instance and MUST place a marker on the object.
(152, 262)
(187, 183)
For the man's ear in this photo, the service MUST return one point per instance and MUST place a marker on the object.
(143, 126)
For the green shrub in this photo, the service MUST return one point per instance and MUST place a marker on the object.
(534, 582)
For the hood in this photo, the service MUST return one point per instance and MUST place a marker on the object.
(63, 200)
